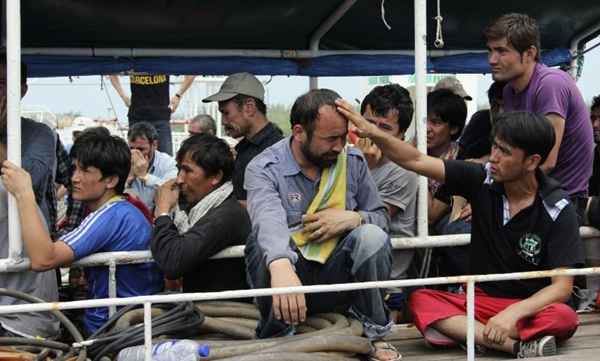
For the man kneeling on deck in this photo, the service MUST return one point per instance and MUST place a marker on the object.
(102, 163)
(317, 219)
(522, 221)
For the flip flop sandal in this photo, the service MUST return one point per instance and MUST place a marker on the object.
(384, 346)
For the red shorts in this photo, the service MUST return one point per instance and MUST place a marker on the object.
(430, 306)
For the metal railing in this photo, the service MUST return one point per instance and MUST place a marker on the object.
(112, 259)
(147, 301)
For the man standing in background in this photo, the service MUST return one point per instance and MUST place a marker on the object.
(149, 101)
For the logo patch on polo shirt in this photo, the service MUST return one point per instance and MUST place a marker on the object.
(294, 197)
(530, 248)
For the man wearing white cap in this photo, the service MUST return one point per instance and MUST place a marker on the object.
(243, 114)
(453, 84)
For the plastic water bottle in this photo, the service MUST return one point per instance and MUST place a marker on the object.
(173, 350)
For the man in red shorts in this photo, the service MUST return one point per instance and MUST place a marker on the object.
(522, 221)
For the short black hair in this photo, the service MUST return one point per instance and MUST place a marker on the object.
(450, 107)
(110, 154)
(209, 152)
(142, 130)
(496, 91)
(240, 99)
(305, 110)
(595, 102)
(527, 131)
(385, 98)
(520, 30)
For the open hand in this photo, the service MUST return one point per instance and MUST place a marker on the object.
(364, 128)
(291, 308)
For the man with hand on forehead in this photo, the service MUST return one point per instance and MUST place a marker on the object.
(317, 219)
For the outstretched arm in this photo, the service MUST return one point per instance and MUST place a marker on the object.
(393, 148)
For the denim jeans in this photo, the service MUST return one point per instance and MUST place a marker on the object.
(362, 255)
(165, 139)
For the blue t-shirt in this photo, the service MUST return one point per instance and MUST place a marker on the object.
(116, 226)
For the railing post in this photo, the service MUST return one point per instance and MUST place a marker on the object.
(13, 113)
(471, 320)
(148, 331)
(112, 285)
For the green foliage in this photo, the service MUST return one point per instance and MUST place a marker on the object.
(280, 115)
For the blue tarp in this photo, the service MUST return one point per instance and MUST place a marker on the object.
(335, 65)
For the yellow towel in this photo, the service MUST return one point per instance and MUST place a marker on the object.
(331, 194)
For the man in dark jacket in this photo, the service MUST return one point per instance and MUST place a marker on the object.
(185, 239)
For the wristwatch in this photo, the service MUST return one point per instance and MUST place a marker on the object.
(162, 214)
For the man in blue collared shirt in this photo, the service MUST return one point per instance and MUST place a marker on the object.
(150, 168)
(281, 183)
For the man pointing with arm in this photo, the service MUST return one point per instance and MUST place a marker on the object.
(522, 221)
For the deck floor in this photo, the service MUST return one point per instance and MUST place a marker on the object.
(584, 345)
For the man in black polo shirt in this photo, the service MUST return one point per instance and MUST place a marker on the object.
(522, 221)
(244, 114)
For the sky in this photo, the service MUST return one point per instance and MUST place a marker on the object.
(90, 97)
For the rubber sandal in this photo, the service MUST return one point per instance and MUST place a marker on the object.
(384, 346)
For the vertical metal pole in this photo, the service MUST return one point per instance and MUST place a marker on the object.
(421, 107)
(112, 285)
(13, 103)
(471, 321)
(148, 331)
(323, 28)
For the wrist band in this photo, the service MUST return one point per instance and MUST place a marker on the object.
(178, 95)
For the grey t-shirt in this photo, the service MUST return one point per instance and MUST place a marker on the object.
(38, 284)
(398, 187)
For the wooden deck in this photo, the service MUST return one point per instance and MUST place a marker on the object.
(584, 345)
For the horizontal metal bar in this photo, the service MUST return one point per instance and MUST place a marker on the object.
(340, 287)
(102, 259)
(198, 53)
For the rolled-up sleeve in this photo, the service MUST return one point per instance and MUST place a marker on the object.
(268, 216)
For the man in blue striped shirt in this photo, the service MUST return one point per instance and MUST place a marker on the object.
(102, 163)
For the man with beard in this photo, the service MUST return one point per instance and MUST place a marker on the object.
(244, 114)
(317, 218)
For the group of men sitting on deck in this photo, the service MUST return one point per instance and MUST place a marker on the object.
(312, 210)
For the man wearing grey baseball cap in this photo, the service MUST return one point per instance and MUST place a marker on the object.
(244, 114)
